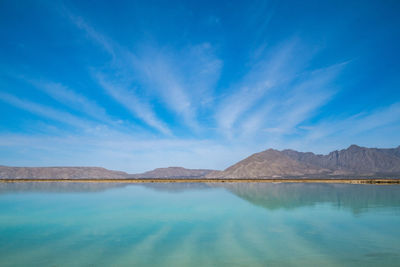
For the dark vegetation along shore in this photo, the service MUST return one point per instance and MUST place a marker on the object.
(352, 165)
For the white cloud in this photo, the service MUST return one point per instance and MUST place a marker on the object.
(45, 111)
(71, 99)
(115, 85)
(301, 101)
(235, 105)
(360, 123)
(184, 79)
(132, 103)
(91, 33)
(271, 80)
(157, 73)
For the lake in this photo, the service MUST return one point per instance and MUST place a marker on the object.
(226, 224)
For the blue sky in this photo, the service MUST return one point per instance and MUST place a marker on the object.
(134, 85)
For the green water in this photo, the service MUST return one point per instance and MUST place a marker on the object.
(50, 224)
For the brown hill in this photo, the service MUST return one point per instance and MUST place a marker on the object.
(173, 172)
(353, 161)
(59, 173)
(269, 163)
(94, 172)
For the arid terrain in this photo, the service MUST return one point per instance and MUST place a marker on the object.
(354, 163)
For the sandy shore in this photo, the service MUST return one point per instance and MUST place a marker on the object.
(208, 180)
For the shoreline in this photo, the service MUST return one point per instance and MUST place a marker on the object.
(207, 180)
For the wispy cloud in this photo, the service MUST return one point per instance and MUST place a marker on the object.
(156, 72)
(184, 79)
(235, 105)
(44, 111)
(132, 103)
(91, 33)
(271, 72)
(72, 99)
(304, 98)
(363, 122)
(275, 95)
(253, 123)
(122, 62)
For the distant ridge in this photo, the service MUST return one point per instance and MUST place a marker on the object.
(173, 172)
(353, 161)
(59, 173)
(94, 173)
(269, 163)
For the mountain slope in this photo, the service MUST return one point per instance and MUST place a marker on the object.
(269, 163)
(59, 173)
(355, 159)
(173, 172)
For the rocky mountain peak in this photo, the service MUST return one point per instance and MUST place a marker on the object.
(354, 148)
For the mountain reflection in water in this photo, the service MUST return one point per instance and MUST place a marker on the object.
(272, 196)
(358, 198)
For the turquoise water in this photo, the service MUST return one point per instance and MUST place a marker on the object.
(50, 224)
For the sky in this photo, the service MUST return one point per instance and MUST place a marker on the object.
(135, 85)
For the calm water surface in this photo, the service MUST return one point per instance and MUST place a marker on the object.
(57, 224)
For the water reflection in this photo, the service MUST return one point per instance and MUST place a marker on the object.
(56, 187)
(177, 187)
(70, 187)
(357, 198)
(215, 224)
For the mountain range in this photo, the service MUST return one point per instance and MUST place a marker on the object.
(95, 173)
(173, 172)
(355, 161)
(59, 173)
